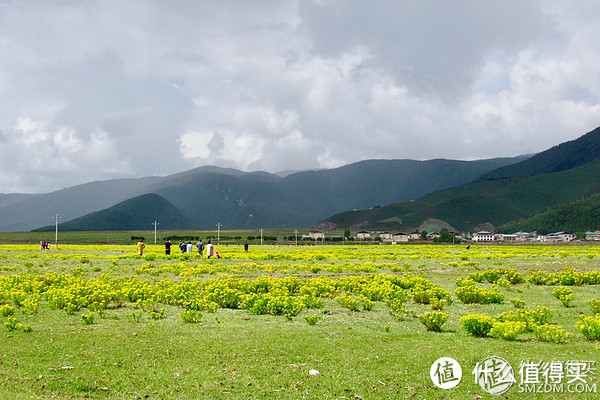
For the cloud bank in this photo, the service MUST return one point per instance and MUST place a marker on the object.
(100, 90)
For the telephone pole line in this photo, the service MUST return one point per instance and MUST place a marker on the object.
(56, 218)
(155, 223)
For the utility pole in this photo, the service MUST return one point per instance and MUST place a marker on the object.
(155, 224)
(56, 218)
(261, 236)
(218, 232)
(296, 232)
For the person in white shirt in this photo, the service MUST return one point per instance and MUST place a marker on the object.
(210, 250)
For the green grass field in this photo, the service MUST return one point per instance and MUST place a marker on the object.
(138, 346)
(124, 237)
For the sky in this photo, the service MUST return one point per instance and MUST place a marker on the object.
(99, 90)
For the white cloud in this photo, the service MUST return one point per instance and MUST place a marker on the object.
(108, 89)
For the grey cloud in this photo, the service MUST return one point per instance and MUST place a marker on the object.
(433, 47)
(112, 89)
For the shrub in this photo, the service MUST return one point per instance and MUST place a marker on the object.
(477, 324)
(87, 319)
(136, 317)
(508, 330)
(594, 305)
(397, 308)
(592, 277)
(311, 301)
(366, 303)
(564, 294)
(434, 321)
(31, 305)
(225, 297)
(157, 314)
(276, 303)
(348, 302)
(550, 333)
(492, 275)
(570, 277)
(312, 319)
(532, 318)
(11, 324)
(475, 276)
(433, 295)
(589, 327)
(517, 303)
(513, 276)
(438, 304)
(540, 278)
(6, 310)
(460, 281)
(503, 283)
(191, 316)
(473, 294)
(539, 316)
(284, 305)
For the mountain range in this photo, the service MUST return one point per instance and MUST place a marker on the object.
(561, 181)
(207, 195)
(557, 189)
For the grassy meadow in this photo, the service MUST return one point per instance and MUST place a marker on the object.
(101, 322)
(125, 237)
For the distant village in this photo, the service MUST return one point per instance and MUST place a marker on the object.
(477, 237)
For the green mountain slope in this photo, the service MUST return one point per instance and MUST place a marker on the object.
(558, 158)
(576, 216)
(38, 210)
(237, 199)
(259, 199)
(488, 201)
(137, 213)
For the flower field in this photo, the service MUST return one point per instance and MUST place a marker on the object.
(104, 322)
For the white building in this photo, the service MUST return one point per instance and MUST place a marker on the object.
(560, 237)
(401, 237)
(592, 235)
(416, 235)
(519, 237)
(386, 237)
(363, 235)
(314, 235)
(484, 236)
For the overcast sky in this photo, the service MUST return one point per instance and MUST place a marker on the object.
(97, 90)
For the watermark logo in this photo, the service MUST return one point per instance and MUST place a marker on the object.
(445, 373)
(557, 377)
(494, 375)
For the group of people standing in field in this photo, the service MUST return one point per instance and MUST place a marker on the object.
(189, 248)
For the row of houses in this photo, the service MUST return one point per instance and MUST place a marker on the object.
(386, 237)
(481, 236)
(523, 237)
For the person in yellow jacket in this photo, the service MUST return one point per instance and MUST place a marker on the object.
(140, 247)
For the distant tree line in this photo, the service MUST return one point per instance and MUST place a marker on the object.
(183, 238)
(446, 237)
(265, 238)
(575, 216)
